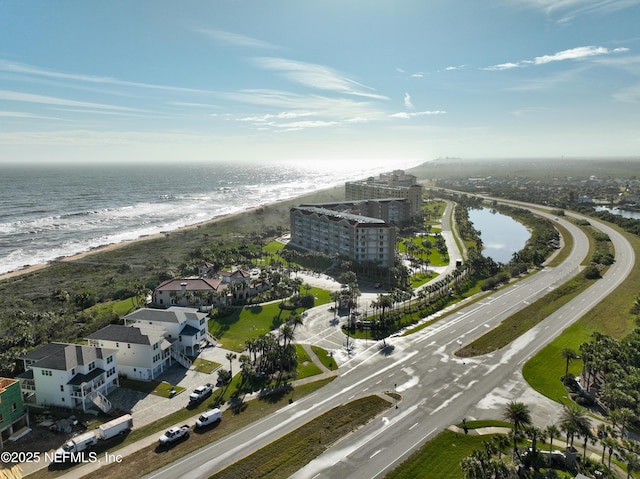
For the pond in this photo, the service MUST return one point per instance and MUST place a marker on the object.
(501, 235)
(633, 214)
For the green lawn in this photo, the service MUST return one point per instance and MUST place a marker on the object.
(609, 317)
(204, 366)
(252, 321)
(306, 367)
(443, 454)
(288, 454)
(324, 358)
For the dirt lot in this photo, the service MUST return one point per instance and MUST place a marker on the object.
(42, 438)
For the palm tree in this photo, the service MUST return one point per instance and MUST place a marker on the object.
(518, 414)
(230, 357)
(287, 335)
(552, 432)
(575, 422)
(611, 444)
(502, 441)
(296, 320)
(569, 355)
(622, 417)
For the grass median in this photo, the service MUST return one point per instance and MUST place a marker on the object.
(290, 453)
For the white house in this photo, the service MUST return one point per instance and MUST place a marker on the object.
(69, 375)
(185, 328)
(143, 352)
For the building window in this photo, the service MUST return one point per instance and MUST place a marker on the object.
(128, 345)
(92, 366)
(117, 345)
(45, 372)
(109, 359)
(62, 387)
(14, 408)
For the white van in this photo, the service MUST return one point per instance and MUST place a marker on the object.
(212, 416)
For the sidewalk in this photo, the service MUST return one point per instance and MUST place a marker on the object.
(167, 406)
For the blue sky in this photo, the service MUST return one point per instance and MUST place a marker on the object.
(326, 81)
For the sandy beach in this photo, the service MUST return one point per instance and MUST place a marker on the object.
(328, 194)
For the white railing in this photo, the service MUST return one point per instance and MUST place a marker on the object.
(181, 358)
(100, 401)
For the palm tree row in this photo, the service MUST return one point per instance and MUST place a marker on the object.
(574, 424)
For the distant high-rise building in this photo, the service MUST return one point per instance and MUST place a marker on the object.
(329, 232)
(392, 210)
(388, 185)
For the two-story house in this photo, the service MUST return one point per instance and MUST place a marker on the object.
(143, 352)
(184, 328)
(190, 292)
(221, 288)
(69, 375)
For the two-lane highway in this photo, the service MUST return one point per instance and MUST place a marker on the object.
(437, 388)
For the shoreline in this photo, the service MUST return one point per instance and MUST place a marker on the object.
(216, 219)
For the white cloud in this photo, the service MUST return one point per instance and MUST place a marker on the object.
(502, 66)
(49, 100)
(407, 102)
(235, 39)
(22, 114)
(566, 10)
(405, 115)
(577, 53)
(317, 76)
(628, 95)
(21, 68)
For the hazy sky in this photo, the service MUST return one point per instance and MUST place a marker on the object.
(318, 80)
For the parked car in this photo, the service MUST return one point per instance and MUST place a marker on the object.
(201, 393)
(171, 435)
(212, 416)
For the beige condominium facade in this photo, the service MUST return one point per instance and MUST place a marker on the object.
(360, 238)
(390, 185)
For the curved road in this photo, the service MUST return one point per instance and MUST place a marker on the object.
(437, 388)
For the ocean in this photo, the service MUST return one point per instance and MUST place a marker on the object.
(48, 212)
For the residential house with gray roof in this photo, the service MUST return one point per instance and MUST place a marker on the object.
(69, 375)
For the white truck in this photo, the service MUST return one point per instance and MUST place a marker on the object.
(171, 435)
(201, 393)
(212, 416)
(88, 439)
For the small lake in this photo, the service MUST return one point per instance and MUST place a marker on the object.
(617, 211)
(501, 235)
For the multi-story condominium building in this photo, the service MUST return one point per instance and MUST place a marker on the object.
(12, 414)
(359, 238)
(391, 210)
(69, 375)
(390, 185)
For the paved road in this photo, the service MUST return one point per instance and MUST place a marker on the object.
(437, 388)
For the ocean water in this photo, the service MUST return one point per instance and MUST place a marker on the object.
(48, 212)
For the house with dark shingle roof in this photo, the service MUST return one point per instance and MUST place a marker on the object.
(143, 352)
(184, 328)
(69, 375)
(152, 339)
